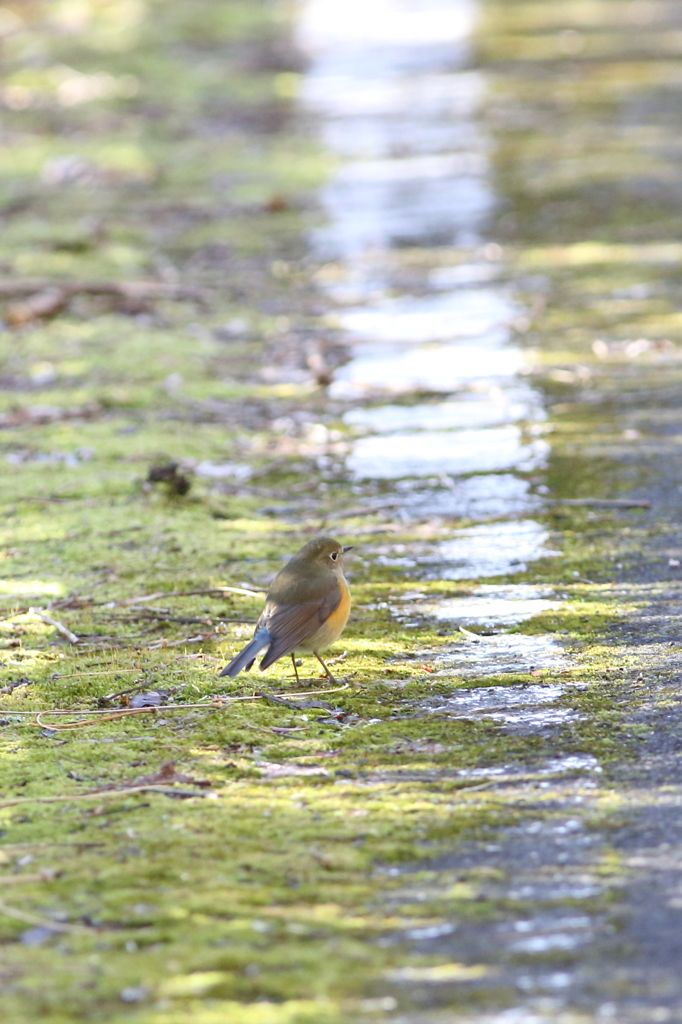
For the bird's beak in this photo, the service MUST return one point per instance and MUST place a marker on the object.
(348, 547)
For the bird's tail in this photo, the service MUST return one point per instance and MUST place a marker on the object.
(245, 659)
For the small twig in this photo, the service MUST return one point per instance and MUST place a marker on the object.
(338, 658)
(256, 728)
(47, 875)
(31, 846)
(142, 599)
(43, 298)
(38, 306)
(153, 289)
(362, 510)
(40, 724)
(162, 616)
(43, 922)
(145, 598)
(131, 689)
(59, 626)
(218, 703)
(102, 794)
(274, 699)
(601, 502)
(185, 640)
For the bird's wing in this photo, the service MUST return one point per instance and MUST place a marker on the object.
(291, 624)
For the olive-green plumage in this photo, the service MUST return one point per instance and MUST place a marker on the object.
(305, 609)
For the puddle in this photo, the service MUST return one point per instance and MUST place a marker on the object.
(494, 549)
(491, 610)
(426, 453)
(518, 707)
(466, 313)
(436, 367)
(422, 307)
(544, 935)
(509, 652)
(490, 408)
(563, 889)
(491, 605)
(397, 102)
(476, 497)
(223, 470)
(436, 931)
(399, 107)
(492, 698)
(572, 763)
(477, 433)
(556, 766)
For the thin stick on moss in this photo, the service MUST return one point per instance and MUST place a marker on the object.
(217, 703)
(59, 626)
(143, 598)
(43, 922)
(104, 794)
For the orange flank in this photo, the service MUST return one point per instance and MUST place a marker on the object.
(332, 628)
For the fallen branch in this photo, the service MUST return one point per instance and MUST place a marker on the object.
(130, 602)
(217, 703)
(102, 794)
(143, 599)
(37, 307)
(43, 297)
(40, 414)
(47, 875)
(31, 846)
(59, 626)
(131, 689)
(43, 922)
(40, 724)
(304, 704)
(199, 638)
(162, 616)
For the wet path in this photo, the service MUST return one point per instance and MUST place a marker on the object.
(486, 826)
(500, 252)
(435, 387)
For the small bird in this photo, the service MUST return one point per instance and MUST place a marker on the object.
(306, 608)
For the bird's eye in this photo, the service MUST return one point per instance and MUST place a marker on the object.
(334, 555)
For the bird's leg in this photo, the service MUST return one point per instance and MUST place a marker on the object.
(330, 677)
(293, 662)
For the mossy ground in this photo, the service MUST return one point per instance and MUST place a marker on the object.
(272, 896)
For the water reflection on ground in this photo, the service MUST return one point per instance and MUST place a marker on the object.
(505, 654)
(524, 708)
(434, 388)
(491, 549)
(583, 102)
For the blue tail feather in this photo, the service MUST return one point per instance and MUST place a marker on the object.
(246, 658)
